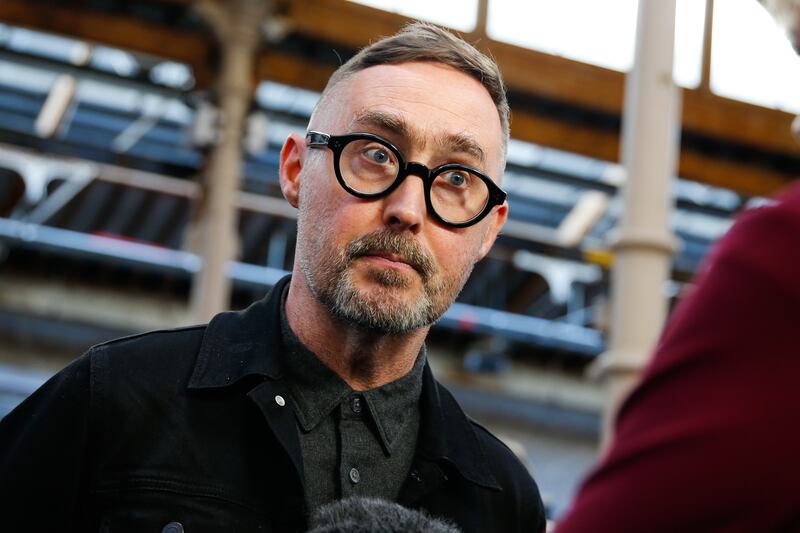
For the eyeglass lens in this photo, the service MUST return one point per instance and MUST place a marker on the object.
(370, 167)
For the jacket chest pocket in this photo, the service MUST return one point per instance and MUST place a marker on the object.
(159, 510)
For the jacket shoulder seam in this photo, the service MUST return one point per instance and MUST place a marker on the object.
(491, 435)
(135, 336)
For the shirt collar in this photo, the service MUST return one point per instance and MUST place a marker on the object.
(393, 404)
(317, 390)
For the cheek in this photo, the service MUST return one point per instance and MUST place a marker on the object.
(456, 252)
(317, 199)
(332, 217)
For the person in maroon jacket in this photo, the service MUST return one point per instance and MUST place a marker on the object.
(710, 439)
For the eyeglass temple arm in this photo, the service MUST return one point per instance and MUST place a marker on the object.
(316, 138)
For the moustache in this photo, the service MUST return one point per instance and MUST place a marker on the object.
(384, 241)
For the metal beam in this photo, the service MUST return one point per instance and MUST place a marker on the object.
(461, 317)
(12, 156)
(527, 329)
(56, 201)
(354, 25)
(122, 311)
(764, 129)
(55, 106)
(528, 73)
(113, 30)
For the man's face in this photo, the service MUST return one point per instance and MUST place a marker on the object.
(385, 264)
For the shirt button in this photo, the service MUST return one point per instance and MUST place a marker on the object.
(356, 405)
(355, 476)
(173, 527)
(279, 400)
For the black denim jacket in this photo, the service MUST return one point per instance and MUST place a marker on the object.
(187, 427)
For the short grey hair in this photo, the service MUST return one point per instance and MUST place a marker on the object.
(422, 41)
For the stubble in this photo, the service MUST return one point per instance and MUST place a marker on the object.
(387, 306)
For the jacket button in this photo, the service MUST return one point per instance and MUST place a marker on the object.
(173, 527)
(355, 476)
(415, 476)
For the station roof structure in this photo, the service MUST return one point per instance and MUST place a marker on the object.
(113, 185)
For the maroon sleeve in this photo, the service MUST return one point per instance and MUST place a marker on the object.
(710, 439)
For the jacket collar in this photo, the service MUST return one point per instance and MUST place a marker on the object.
(236, 345)
(447, 435)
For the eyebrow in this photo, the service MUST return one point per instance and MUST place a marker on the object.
(388, 122)
(456, 142)
(463, 143)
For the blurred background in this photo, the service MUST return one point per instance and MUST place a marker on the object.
(139, 147)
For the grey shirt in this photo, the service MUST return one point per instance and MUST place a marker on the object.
(352, 443)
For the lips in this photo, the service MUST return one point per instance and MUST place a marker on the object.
(395, 258)
(393, 247)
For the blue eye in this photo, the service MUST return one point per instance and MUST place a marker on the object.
(377, 155)
(456, 178)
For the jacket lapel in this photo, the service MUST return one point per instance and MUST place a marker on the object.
(447, 443)
(280, 419)
(247, 344)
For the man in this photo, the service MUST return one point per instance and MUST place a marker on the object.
(321, 390)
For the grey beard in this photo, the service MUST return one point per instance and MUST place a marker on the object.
(347, 304)
(335, 288)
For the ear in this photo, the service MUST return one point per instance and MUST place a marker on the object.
(496, 219)
(291, 164)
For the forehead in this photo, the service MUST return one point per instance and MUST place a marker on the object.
(431, 99)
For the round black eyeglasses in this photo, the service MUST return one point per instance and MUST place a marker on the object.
(368, 166)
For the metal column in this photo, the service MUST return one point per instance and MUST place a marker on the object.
(237, 25)
(643, 245)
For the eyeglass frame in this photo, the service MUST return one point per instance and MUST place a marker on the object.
(336, 143)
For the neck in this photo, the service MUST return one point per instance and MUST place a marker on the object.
(363, 359)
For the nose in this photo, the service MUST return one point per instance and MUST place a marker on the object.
(404, 208)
